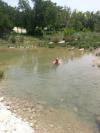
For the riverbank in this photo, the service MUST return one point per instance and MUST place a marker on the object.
(10, 123)
(86, 40)
(42, 119)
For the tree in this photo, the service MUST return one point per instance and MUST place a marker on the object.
(89, 20)
(26, 16)
(45, 13)
(5, 22)
(97, 21)
(24, 5)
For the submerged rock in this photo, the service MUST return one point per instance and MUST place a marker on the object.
(97, 54)
(81, 49)
(1, 99)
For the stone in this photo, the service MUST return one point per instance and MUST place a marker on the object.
(1, 99)
(10, 123)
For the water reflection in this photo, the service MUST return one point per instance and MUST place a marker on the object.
(42, 60)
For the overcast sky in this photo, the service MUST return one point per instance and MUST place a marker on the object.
(81, 5)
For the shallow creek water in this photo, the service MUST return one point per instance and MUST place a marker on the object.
(63, 98)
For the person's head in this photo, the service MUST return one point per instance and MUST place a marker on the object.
(57, 59)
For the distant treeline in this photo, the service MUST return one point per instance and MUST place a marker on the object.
(45, 15)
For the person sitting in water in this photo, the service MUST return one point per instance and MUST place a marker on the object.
(57, 61)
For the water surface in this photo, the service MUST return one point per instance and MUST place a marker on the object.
(73, 85)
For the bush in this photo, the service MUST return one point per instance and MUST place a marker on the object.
(68, 31)
(69, 38)
(39, 31)
(68, 34)
(21, 39)
(13, 39)
(51, 46)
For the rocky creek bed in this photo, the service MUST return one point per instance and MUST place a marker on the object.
(11, 123)
(37, 118)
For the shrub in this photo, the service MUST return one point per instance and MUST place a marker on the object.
(39, 31)
(68, 38)
(13, 39)
(68, 31)
(51, 46)
(68, 34)
(21, 39)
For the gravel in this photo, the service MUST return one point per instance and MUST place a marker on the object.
(10, 123)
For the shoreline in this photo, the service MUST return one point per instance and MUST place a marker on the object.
(48, 120)
(10, 122)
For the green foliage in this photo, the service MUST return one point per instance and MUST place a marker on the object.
(45, 13)
(38, 31)
(68, 34)
(86, 30)
(13, 39)
(87, 40)
(51, 46)
(5, 22)
(24, 5)
(21, 39)
(68, 31)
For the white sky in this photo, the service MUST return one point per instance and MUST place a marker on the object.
(81, 5)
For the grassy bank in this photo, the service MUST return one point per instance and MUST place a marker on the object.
(87, 40)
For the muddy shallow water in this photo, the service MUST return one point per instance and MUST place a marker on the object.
(62, 98)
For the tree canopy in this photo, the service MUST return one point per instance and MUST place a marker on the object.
(44, 14)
